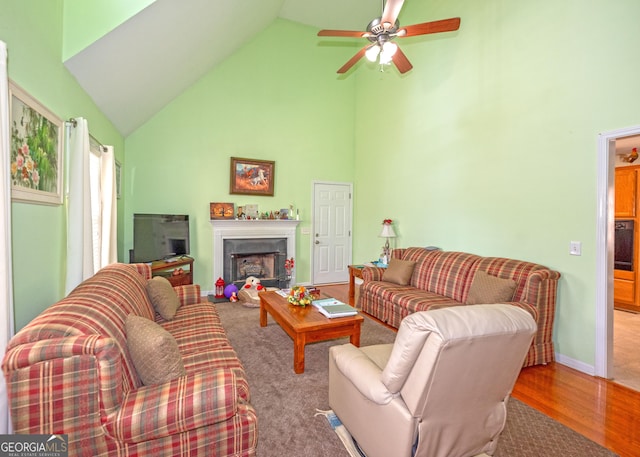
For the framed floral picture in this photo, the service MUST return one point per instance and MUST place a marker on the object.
(36, 150)
(251, 176)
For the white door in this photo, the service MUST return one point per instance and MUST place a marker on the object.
(331, 235)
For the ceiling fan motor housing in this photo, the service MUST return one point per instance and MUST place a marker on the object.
(376, 27)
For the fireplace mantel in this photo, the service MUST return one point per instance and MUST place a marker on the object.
(225, 229)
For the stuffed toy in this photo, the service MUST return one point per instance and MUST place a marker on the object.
(252, 283)
(249, 292)
(229, 290)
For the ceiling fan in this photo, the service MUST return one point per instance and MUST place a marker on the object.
(383, 30)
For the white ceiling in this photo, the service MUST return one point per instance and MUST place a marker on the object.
(135, 70)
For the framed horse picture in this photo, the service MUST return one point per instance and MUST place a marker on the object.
(252, 176)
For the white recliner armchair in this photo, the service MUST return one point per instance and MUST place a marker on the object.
(440, 390)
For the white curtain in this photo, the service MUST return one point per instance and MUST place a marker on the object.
(106, 221)
(91, 203)
(6, 292)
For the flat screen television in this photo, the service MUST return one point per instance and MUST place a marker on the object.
(159, 236)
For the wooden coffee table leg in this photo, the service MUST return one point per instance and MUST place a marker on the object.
(355, 336)
(263, 315)
(298, 354)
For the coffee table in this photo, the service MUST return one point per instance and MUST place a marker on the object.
(306, 324)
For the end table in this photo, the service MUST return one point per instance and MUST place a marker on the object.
(355, 271)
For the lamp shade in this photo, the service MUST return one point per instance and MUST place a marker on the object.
(387, 231)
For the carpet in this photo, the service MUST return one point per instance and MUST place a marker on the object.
(286, 402)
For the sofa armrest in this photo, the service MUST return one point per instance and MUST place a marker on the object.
(28, 354)
(540, 288)
(188, 294)
(67, 383)
(362, 372)
(372, 273)
(186, 403)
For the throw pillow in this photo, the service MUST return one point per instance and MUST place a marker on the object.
(399, 271)
(490, 289)
(153, 350)
(163, 297)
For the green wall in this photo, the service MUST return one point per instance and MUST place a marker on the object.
(283, 105)
(87, 21)
(488, 146)
(492, 138)
(32, 30)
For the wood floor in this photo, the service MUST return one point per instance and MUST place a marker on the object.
(603, 411)
(626, 359)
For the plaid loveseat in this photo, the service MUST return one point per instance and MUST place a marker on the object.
(69, 371)
(443, 278)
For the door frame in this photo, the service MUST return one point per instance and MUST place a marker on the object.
(313, 221)
(605, 248)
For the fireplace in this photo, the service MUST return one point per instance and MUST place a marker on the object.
(241, 248)
(260, 257)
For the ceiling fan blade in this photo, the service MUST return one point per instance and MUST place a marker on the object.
(352, 61)
(445, 25)
(342, 33)
(391, 11)
(401, 62)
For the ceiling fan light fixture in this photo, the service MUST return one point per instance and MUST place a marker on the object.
(385, 59)
(372, 52)
(388, 50)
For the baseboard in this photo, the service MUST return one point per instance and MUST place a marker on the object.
(576, 364)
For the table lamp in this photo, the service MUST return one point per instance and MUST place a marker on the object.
(387, 232)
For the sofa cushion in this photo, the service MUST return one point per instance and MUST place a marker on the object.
(490, 289)
(163, 297)
(399, 271)
(154, 351)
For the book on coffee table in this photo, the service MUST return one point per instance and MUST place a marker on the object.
(331, 307)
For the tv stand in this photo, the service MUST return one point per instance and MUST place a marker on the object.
(166, 269)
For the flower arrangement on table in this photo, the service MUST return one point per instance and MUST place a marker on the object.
(300, 296)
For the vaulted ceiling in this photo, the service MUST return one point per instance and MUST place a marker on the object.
(140, 66)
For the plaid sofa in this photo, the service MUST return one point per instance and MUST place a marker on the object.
(443, 278)
(69, 371)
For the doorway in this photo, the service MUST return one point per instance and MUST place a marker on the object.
(331, 246)
(605, 247)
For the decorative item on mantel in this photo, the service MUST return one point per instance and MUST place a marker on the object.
(221, 210)
(387, 232)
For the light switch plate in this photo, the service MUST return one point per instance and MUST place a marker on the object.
(575, 248)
